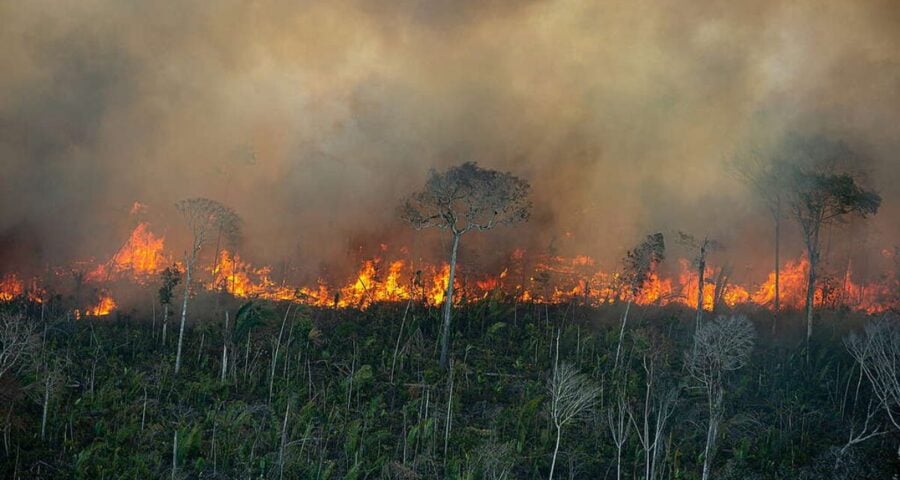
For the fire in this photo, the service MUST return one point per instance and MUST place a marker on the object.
(655, 291)
(142, 253)
(141, 256)
(232, 275)
(792, 286)
(689, 281)
(525, 278)
(439, 282)
(104, 306)
(370, 287)
(10, 287)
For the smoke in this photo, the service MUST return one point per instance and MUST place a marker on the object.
(313, 119)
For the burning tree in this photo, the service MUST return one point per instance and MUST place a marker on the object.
(819, 196)
(703, 249)
(639, 264)
(204, 217)
(462, 199)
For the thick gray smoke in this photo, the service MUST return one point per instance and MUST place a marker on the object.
(313, 119)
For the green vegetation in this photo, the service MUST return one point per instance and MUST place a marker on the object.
(321, 394)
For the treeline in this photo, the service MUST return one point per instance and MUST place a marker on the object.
(531, 391)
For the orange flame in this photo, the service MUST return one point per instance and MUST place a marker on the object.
(10, 287)
(104, 306)
(539, 279)
(141, 256)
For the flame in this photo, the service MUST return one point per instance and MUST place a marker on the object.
(655, 291)
(439, 281)
(104, 306)
(142, 253)
(141, 256)
(11, 287)
(792, 286)
(526, 278)
(369, 287)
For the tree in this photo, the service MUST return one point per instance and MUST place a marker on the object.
(703, 248)
(638, 265)
(658, 406)
(821, 195)
(877, 351)
(204, 217)
(619, 427)
(18, 342)
(571, 394)
(169, 278)
(465, 198)
(720, 346)
(765, 174)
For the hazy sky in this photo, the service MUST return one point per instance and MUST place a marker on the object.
(313, 119)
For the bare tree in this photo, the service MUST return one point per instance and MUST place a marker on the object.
(877, 351)
(495, 460)
(462, 199)
(638, 265)
(619, 428)
(658, 407)
(54, 376)
(820, 195)
(703, 248)
(571, 394)
(764, 173)
(720, 346)
(18, 342)
(204, 218)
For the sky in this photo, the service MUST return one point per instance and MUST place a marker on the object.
(314, 119)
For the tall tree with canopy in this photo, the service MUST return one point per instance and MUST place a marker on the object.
(204, 218)
(462, 199)
(822, 193)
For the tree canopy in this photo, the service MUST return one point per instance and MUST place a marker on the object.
(467, 197)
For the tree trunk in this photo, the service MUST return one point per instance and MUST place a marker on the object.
(184, 305)
(46, 404)
(275, 354)
(622, 334)
(777, 273)
(712, 432)
(287, 410)
(399, 335)
(448, 305)
(618, 462)
(224, 350)
(555, 451)
(811, 288)
(175, 454)
(165, 323)
(700, 273)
